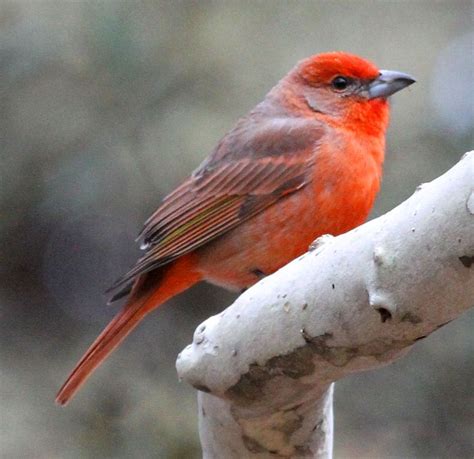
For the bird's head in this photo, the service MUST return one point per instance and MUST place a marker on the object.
(345, 88)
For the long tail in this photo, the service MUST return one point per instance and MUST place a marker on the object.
(174, 279)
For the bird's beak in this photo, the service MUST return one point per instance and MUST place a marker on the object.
(388, 82)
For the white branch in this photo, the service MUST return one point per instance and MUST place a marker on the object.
(352, 303)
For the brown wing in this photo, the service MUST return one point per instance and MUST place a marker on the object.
(228, 189)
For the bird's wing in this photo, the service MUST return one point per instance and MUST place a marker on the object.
(228, 189)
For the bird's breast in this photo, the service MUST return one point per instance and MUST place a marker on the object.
(341, 192)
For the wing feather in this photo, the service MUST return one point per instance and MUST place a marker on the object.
(225, 191)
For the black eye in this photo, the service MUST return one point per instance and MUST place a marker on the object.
(340, 83)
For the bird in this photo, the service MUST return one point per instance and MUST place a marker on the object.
(305, 162)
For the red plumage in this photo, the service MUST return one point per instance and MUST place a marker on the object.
(304, 162)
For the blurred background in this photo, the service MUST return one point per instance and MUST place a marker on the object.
(105, 107)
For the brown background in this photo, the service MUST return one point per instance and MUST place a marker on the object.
(105, 106)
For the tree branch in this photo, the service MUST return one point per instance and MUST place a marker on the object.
(352, 303)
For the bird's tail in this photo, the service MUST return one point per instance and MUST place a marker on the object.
(174, 279)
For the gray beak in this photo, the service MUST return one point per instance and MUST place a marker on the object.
(388, 82)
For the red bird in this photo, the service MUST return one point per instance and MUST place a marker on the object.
(304, 162)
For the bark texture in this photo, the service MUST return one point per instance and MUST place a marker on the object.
(265, 366)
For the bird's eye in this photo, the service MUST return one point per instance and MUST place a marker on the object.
(340, 83)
